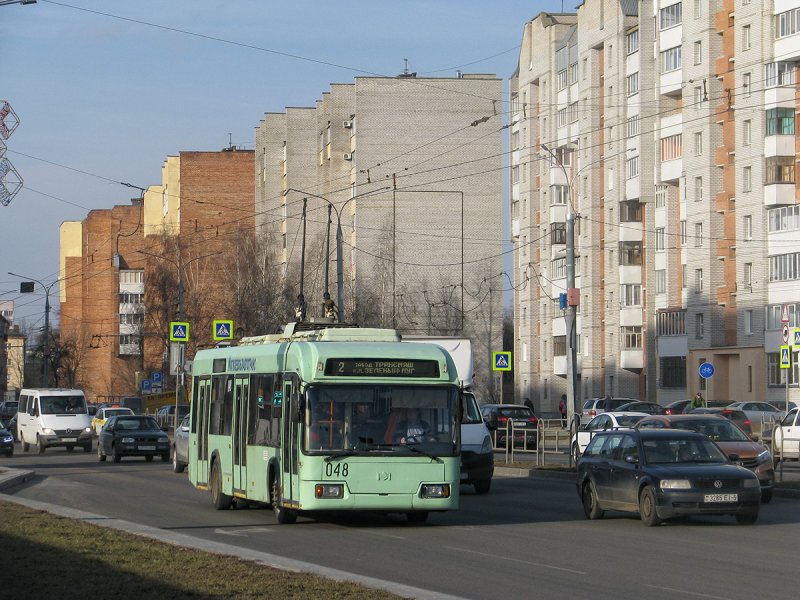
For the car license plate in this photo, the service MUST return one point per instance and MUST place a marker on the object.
(69, 439)
(521, 423)
(147, 447)
(721, 498)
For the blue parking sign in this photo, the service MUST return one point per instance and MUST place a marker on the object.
(146, 386)
(155, 377)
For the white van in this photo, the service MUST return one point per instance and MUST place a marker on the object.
(477, 456)
(53, 417)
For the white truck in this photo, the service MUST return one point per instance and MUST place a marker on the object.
(477, 457)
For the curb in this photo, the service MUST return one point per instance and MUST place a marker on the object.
(11, 477)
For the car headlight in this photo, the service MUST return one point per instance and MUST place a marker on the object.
(128, 440)
(47, 431)
(752, 483)
(8, 438)
(675, 484)
(87, 430)
(486, 447)
(764, 457)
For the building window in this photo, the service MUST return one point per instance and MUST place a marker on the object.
(746, 87)
(633, 125)
(558, 233)
(632, 41)
(784, 267)
(559, 195)
(573, 73)
(515, 174)
(779, 73)
(774, 312)
(747, 179)
(660, 239)
(630, 294)
(787, 23)
(632, 167)
(748, 322)
(776, 374)
(683, 233)
(779, 169)
(661, 195)
(780, 121)
(561, 80)
(630, 211)
(698, 326)
(672, 147)
(631, 337)
(673, 372)
(698, 52)
(661, 281)
(698, 235)
(698, 143)
(573, 112)
(671, 59)
(632, 83)
(669, 16)
(698, 280)
(698, 189)
(131, 276)
(747, 132)
(747, 40)
(748, 276)
(747, 226)
(630, 253)
(684, 270)
(558, 268)
(785, 218)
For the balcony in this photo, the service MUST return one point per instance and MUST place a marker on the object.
(777, 194)
(632, 360)
(779, 96)
(671, 170)
(515, 228)
(560, 365)
(779, 145)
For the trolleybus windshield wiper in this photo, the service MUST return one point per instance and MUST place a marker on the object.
(417, 450)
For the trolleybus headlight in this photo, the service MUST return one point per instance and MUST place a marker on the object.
(329, 490)
(436, 490)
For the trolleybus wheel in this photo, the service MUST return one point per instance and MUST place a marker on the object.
(284, 516)
(221, 501)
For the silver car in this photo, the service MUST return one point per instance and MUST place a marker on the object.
(180, 446)
(762, 414)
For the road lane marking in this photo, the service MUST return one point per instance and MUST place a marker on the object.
(687, 592)
(524, 562)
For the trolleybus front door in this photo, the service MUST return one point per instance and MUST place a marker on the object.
(239, 435)
(291, 439)
(201, 418)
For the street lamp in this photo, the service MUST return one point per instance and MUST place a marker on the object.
(23, 288)
(339, 269)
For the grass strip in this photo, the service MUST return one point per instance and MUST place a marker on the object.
(46, 555)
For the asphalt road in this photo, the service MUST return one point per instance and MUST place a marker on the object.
(528, 537)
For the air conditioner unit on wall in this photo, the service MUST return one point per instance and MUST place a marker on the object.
(347, 124)
(348, 156)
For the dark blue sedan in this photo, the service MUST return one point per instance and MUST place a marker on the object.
(132, 435)
(6, 442)
(663, 474)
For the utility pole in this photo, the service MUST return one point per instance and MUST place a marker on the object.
(24, 288)
(573, 298)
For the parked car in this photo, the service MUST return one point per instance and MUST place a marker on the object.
(132, 435)
(737, 416)
(760, 413)
(166, 414)
(11, 426)
(180, 446)
(676, 408)
(104, 414)
(731, 439)
(6, 442)
(651, 408)
(663, 474)
(8, 409)
(603, 422)
(595, 406)
(502, 418)
(786, 436)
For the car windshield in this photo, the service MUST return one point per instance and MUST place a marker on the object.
(146, 424)
(681, 450)
(63, 405)
(719, 430)
(628, 420)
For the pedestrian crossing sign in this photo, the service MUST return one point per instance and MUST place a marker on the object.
(794, 338)
(178, 331)
(501, 361)
(223, 330)
(786, 357)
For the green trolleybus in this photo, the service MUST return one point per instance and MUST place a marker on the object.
(327, 419)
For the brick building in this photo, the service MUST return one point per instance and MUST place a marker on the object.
(120, 268)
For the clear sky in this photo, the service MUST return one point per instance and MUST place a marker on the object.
(106, 90)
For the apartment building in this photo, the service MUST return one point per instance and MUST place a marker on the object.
(647, 119)
(123, 270)
(407, 170)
